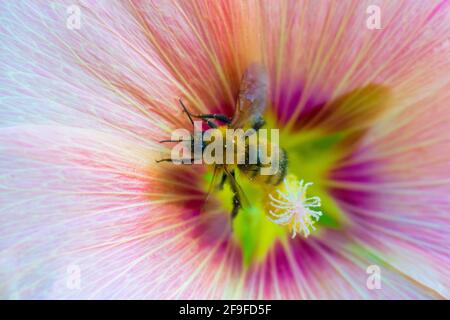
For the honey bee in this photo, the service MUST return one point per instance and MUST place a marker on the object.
(250, 106)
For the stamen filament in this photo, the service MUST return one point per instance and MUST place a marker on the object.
(292, 207)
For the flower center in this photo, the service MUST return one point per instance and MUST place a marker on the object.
(292, 208)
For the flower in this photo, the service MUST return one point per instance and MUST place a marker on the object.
(88, 88)
(292, 207)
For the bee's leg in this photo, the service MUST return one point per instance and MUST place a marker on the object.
(215, 116)
(211, 124)
(236, 199)
(162, 141)
(236, 206)
(164, 160)
(220, 117)
(182, 161)
(206, 117)
(222, 182)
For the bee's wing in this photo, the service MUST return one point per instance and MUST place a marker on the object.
(209, 203)
(252, 100)
(212, 184)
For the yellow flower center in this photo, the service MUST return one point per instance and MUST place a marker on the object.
(277, 213)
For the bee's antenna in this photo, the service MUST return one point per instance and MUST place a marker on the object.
(186, 111)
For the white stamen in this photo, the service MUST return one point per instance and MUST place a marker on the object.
(292, 207)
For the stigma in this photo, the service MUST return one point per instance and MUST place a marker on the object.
(290, 206)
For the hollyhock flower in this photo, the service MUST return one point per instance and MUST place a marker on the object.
(89, 88)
